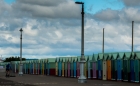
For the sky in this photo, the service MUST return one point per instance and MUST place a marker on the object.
(52, 28)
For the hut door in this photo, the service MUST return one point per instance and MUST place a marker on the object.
(136, 70)
(94, 70)
(89, 75)
(74, 66)
(65, 69)
(125, 73)
(104, 70)
(56, 68)
(78, 69)
(48, 70)
(119, 69)
(132, 70)
(99, 69)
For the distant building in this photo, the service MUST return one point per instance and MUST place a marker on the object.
(1, 60)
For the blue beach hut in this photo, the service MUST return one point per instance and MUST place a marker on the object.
(89, 62)
(126, 66)
(120, 66)
(100, 58)
(132, 71)
(59, 67)
(114, 66)
(136, 67)
(66, 66)
(75, 66)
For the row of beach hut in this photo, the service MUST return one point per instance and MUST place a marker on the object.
(108, 66)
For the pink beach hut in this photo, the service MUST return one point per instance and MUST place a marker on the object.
(94, 66)
(69, 61)
(78, 66)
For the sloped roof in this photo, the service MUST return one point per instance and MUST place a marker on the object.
(121, 55)
(51, 60)
(137, 55)
(114, 56)
(127, 55)
(86, 57)
(105, 56)
(94, 59)
(100, 56)
(90, 57)
(132, 55)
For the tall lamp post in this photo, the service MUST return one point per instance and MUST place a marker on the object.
(82, 78)
(20, 70)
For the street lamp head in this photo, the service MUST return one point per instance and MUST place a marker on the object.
(79, 2)
(21, 30)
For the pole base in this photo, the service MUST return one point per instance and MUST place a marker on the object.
(20, 73)
(82, 79)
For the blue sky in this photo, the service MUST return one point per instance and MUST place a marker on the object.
(93, 6)
(9, 1)
(52, 28)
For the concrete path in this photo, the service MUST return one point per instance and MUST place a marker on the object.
(41, 80)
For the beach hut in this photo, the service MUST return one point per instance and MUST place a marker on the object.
(86, 66)
(45, 66)
(39, 67)
(100, 58)
(14, 66)
(33, 67)
(56, 66)
(89, 62)
(60, 67)
(75, 66)
(78, 66)
(120, 66)
(95, 66)
(132, 71)
(136, 67)
(66, 66)
(35, 62)
(109, 67)
(114, 66)
(51, 66)
(26, 67)
(69, 65)
(23, 67)
(30, 67)
(104, 66)
(126, 66)
(62, 59)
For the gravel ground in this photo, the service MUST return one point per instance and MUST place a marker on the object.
(41, 80)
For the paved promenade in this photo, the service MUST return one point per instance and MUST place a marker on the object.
(41, 80)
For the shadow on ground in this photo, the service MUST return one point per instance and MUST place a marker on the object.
(4, 82)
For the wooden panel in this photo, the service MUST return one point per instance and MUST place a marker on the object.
(109, 69)
(104, 71)
(94, 70)
(56, 68)
(63, 69)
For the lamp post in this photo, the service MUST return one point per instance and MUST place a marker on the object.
(20, 70)
(82, 78)
(103, 42)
